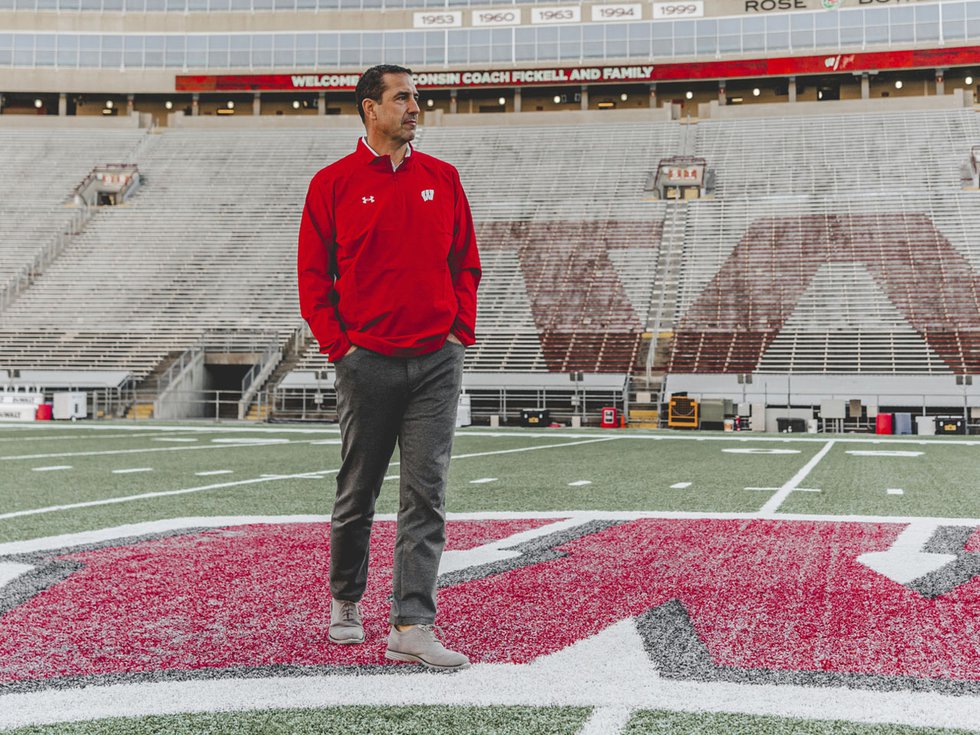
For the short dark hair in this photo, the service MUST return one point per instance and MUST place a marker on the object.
(371, 85)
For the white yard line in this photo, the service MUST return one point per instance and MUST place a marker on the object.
(53, 468)
(772, 505)
(171, 429)
(161, 494)
(64, 437)
(272, 478)
(536, 448)
(132, 470)
(150, 450)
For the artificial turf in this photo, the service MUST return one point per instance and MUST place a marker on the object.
(658, 722)
(417, 720)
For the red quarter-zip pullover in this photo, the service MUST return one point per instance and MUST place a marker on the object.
(387, 258)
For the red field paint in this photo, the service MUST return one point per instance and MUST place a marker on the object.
(759, 596)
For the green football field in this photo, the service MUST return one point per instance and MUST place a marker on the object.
(63, 483)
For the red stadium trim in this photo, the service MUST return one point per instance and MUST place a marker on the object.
(553, 76)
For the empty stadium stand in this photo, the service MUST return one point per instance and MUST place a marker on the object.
(838, 243)
(40, 170)
(208, 243)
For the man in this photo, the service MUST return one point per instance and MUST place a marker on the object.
(388, 272)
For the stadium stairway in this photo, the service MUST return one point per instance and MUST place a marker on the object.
(296, 352)
(140, 411)
(141, 407)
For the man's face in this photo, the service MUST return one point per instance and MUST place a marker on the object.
(397, 115)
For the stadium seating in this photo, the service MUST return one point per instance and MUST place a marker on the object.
(40, 170)
(832, 243)
(209, 242)
(836, 244)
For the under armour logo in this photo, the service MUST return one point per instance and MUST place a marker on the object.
(367, 200)
(428, 194)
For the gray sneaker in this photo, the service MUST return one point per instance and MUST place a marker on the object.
(345, 622)
(419, 645)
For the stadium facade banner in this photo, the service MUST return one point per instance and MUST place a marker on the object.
(742, 68)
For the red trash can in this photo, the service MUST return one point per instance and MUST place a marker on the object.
(883, 424)
(44, 412)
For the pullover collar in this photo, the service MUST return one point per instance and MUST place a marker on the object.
(369, 155)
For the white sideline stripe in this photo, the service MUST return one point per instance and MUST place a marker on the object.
(173, 439)
(772, 505)
(569, 517)
(271, 478)
(895, 491)
(680, 485)
(634, 435)
(483, 481)
(132, 470)
(209, 473)
(606, 721)
(52, 468)
(580, 483)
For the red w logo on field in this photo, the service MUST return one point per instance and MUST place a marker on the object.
(712, 599)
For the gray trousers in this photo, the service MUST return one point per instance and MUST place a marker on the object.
(381, 400)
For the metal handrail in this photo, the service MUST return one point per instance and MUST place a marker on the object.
(26, 275)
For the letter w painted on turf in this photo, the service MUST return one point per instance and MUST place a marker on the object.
(428, 195)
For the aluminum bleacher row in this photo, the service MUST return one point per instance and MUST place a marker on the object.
(209, 243)
(40, 170)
